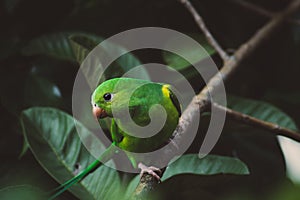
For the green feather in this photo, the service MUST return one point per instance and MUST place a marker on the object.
(107, 155)
(140, 101)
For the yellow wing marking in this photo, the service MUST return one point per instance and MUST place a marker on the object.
(165, 90)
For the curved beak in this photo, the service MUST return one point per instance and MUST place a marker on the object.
(99, 113)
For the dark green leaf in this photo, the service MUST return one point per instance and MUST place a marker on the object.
(132, 186)
(56, 45)
(53, 139)
(267, 112)
(82, 44)
(178, 62)
(25, 148)
(261, 110)
(191, 171)
(209, 165)
(254, 145)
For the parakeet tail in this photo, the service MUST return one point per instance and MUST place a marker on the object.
(107, 155)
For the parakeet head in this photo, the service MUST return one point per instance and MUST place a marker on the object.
(102, 99)
(114, 92)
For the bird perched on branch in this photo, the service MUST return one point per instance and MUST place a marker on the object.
(144, 115)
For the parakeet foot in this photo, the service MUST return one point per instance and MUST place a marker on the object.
(154, 171)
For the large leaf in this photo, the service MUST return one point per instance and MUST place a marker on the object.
(261, 110)
(187, 166)
(260, 146)
(56, 45)
(53, 139)
(209, 165)
(83, 43)
(75, 46)
(178, 62)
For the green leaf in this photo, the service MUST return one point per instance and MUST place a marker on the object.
(53, 139)
(83, 43)
(178, 62)
(254, 145)
(190, 177)
(75, 46)
(132, 186)
(25, 148)
(209, 165)
(56, 45)
(21, 192)
(41, 92)
(261, 110)
(196, 173)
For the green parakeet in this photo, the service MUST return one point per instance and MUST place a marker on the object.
(139, 99)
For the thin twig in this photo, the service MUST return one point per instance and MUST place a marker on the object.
(202, 100)
(261, 11)
(252, 121)
(200, 22)
(254, 8)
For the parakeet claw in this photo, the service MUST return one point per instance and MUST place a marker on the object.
(154, 171)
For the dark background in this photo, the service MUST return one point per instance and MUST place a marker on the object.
(271, 74)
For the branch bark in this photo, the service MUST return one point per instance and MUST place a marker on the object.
(252, 121)
(201, 24)
(202, 100)
(147, 184)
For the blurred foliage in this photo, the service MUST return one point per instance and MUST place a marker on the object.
(42, 44)
(21, 192)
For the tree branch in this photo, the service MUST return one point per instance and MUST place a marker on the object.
(202, 100)
(252, 121)
(200, 22)
(261, 11)
(254, 8)
(147, 184)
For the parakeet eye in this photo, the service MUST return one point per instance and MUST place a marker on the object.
(107, 96)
